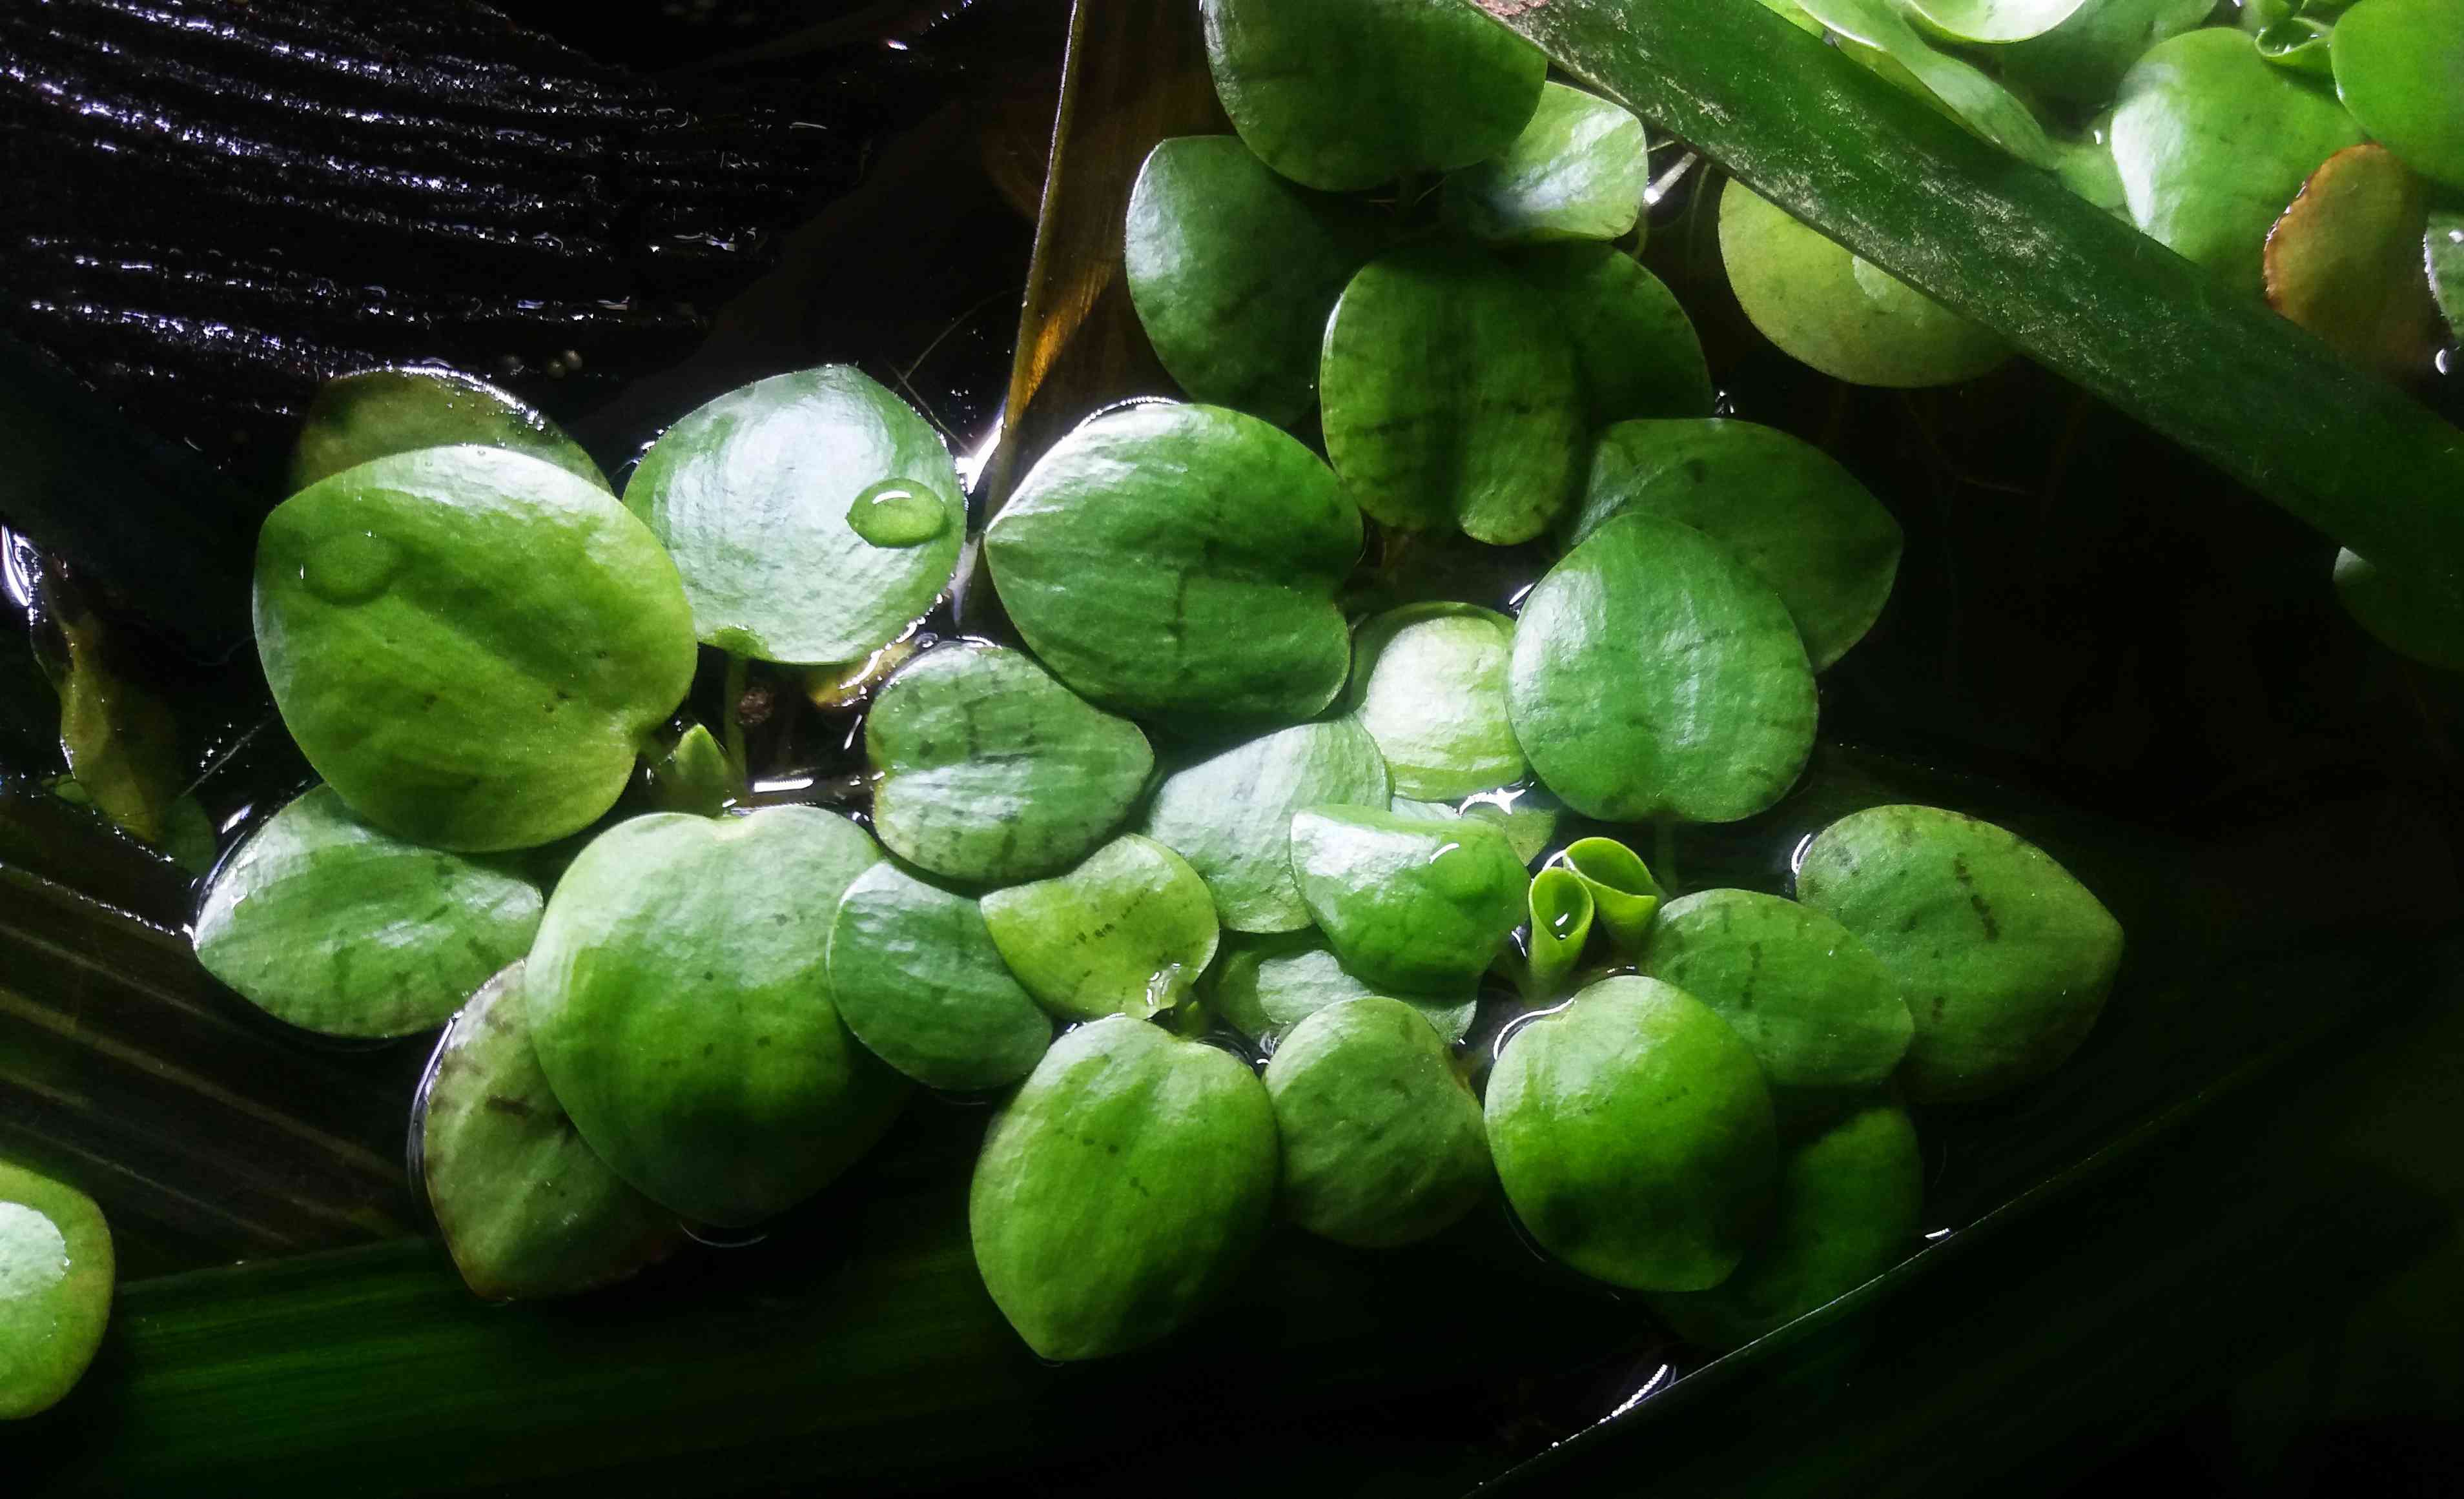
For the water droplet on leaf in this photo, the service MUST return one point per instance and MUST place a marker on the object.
(897, 513)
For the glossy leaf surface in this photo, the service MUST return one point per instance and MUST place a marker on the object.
(1127, 931)
(1230, 815)
(917, 977)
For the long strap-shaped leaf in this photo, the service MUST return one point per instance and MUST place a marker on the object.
(2086, 295)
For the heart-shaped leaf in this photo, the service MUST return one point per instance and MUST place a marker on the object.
(1448, 397)
(1562, 911)
(55, 1282)
(1634, 1136)
(1231, 815)
(1577, 171)
(526, 1208)
(469, 644)
(1348, 94)
(1846, 1210)
(1655, 676)
(1382, 1143)
(335, 926)
(1625, 899)
(915, 975)
(1635, 349)
(680, 1007)
(1121, 1188)
(1428, 683)
(814, 515)
(377, 413)
(1181, 560)
(2345, 261)
(1233, 269)
(1819, 1009)
(992, 771)
(2399, 68)
(1798, 519)
(1409, 905)
(1128, 932)
(1838, 313)
(2082, 61)
(1526, 814)
(2213, 143)
(1266, 985)
(2001, 956)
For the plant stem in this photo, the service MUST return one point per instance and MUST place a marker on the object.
(1663, 856)
(732, 720)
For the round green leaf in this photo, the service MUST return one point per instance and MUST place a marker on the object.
(2399, 68)
(1839, 313)
(1526, 814)
(680, 1008)
(1655, 676)
(526, 1208)
(1634, 1136)
(1816, 1008)
(2423, 622)
(989, 770)
(55, 1282)
(1449, 399)
(1577, 172)
(1126, 932)
(1428, 684)
(2002, 959)
(1382, 1143)
(1846, 1209)
(377, 413)
(1266, 985)
(2212, 143)
(1181, 560)
(1887, 41)
(2081, 60)
(327, 924)
(1798, 520)
(814, 515)
(1233, 269)
(469, 644)
(1348, 94)
(1992, 20)
(1408, 904)
(1231, 815)
(915, 975)
(1121, 1188)
(1635, 349)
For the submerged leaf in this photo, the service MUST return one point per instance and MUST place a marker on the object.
(120, 740)
(1231, 815)
(375, 413)
(813, 516)
(1577, 171)
(331, 925)
(1127, 931)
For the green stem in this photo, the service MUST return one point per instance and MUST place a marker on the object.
(1664, 857)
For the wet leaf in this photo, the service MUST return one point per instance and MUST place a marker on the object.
(1816, 1008)
(375, 413)
(120, 740)
(1266, 985)
(1838, 313)
(1625, 899)
(2399, 68)
(526, 1208)
(334, 926)
(1634, 1136)
(1409, 905)
(992, 771)
(695, 776)
(1968, 95)
(1428, 684)
(2212, 143)
(2002, 958)
(1991, 20)
(679, 1006)
(915, 975)
(1635, 349)
(1231, 815)
(1577, 171)
(1233, 269)
(1846, 1210)
(1382, 1143)
(1526, 814)
(1798, 520)
(1448, 399)
(2299, 42)
(813, 516)
(1562, 911)
(467, 644)
(1655, 676)
(2443, 248)
(1355, 93)
(2345, 261)
(2401, 614)
(1121, 1190)
(1127, 931)
(1183, 561)
(55, 1285)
